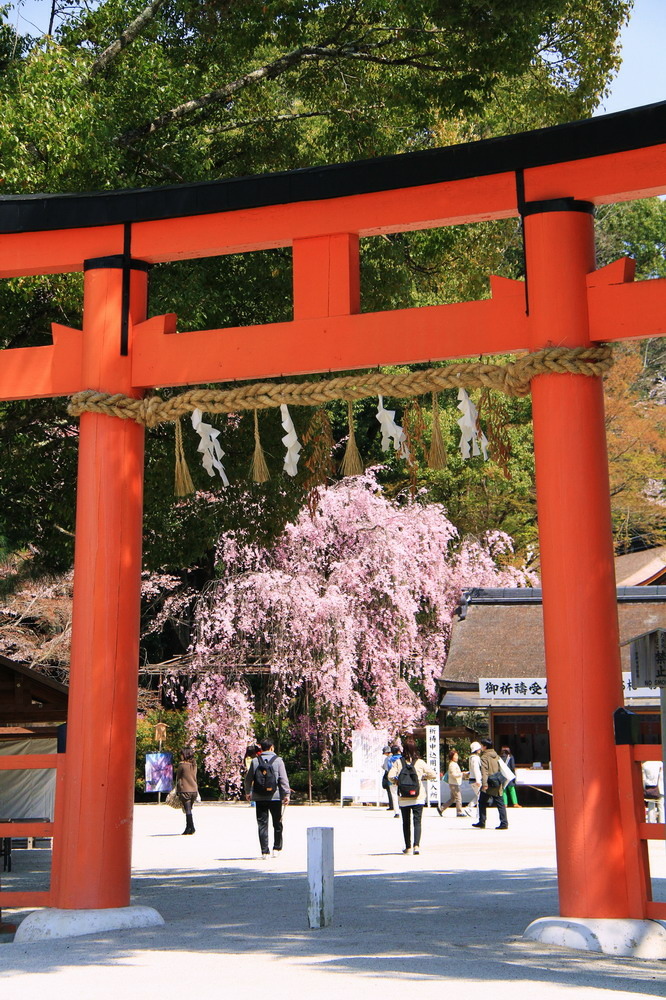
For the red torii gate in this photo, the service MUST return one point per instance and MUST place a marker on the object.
(552, 178)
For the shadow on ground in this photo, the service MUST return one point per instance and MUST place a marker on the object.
(413, 926)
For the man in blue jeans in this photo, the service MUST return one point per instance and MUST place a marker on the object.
(490, 795)
(269, 794)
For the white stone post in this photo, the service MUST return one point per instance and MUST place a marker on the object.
(320, 876)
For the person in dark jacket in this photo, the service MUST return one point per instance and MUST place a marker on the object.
(385, 768)
(510, 795)
(186, 786)
(272, 804)
(490, 795)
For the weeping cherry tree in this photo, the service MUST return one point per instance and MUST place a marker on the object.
(348, 614)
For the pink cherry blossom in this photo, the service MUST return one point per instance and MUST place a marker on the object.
(355, 601)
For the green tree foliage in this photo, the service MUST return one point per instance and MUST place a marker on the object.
(132, 94)
(635, 388)
(634, 229)
(638, 229)
(223, 88)
(146, 742)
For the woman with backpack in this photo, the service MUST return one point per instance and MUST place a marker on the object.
(408, 774)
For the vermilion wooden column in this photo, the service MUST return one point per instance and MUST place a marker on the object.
(326, 272)
(577, 570)
(92, 851)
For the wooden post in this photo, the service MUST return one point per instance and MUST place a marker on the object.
(632, 814)
(326, 276)
(320, 876)
(92, 853)
(577, 570)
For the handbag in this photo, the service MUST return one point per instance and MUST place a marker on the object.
(507, 773)
(173, 799)
(651, 792)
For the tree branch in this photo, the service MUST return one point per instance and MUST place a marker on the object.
(135, 28)
(272, 70)
(279, 119)
(267, 72)
(161, 168)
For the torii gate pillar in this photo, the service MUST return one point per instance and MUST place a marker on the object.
(92, 854)
(577, 569)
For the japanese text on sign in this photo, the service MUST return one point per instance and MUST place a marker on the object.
(536, 688)
(513, 687)
(432, 757)
(648, 659)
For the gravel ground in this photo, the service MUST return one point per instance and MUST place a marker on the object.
(445, 922)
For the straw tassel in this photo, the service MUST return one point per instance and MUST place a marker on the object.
(183, 480)
(352, 463)
(437, 453)
(258, 469)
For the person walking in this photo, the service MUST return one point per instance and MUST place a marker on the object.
(474, 773)
(491, 786)
(454, 780)
(408, 774)
(394, 754)
(509, 795)
(653, 790)
(267, 785)
(250, 753)
(187, 789)
(386, 784)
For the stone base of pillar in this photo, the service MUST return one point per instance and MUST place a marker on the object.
(48, 924)
(619, 937)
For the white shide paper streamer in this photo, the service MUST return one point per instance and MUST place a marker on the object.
(290, 441)
(209, 446)
(470, 435)
(391, 431)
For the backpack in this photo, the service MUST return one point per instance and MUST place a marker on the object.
(409, 785)
(264, 781)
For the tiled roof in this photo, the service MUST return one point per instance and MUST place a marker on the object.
(500, 639)
(637, 569)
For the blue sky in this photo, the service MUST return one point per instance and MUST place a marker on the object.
(642, 76)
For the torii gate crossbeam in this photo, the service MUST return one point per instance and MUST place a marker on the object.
(552, 179)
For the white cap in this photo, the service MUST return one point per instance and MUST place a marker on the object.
(475, 746)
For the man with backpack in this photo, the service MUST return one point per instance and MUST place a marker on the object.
(492, 786)
(266, 784)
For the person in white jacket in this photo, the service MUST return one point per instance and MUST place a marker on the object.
(653, 790)
(411, 806)
(454, 779)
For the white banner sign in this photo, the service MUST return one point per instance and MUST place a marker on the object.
(514, 688)
(367, 753)
(536, 688)
(648, 659)
(432, 759)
